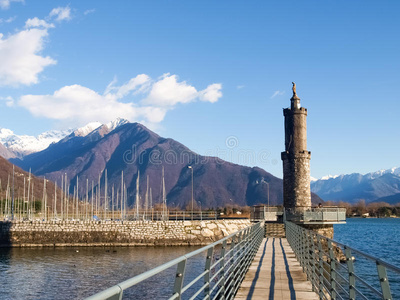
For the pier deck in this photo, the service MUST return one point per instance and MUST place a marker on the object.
(275, 274)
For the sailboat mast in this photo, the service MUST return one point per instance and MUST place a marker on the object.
(87, 198)
(146, 201)
(137, 196)
(164, 200)
(122, 193)
(77, 197)
(105, 196)
(112, 201)
(12, 203)
(55, 200)
(92, 202)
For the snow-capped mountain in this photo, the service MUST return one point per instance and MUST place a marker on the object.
(88, 128)
(371, 175)
(354, 187)
(116, 123)
(395, 171)
(22, 145)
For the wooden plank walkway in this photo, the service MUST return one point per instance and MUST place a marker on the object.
(275, 274)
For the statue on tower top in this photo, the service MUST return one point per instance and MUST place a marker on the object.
(294, 89)
(295, 100)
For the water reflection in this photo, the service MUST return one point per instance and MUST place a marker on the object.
(75, 273)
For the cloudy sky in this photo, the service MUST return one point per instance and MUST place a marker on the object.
(213, 75)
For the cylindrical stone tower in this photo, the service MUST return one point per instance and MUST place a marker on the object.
(296, 158)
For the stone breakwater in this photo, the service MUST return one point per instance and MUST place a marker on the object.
(115, 233)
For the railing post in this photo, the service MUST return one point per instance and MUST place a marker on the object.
(301, 248)
(333, 270)
(384, 281)
(321, 268)
(306, 255)
(222, 266)
(312, 259)
(352, 279)
(207, 269)
(180, 275)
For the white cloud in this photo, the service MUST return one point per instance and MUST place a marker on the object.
(239, 87)
(36, 22)
(167, 92)
(61, 13)
(89, 11)
(136, 84)
(212, 93)
(9, 101)
(277, 93)
(9, 20)
(153, 99)
(20, 59)
(78, 103)
(5, 4)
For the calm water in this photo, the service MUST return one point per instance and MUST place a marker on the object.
(377, 237)
(75, 273)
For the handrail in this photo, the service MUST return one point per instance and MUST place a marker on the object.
(318, 255)
(230, 266)
(303, 214)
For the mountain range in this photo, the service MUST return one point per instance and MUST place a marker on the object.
(21, 145)
(131, 149)
(13, 145)
(84, 154)
(379, 186)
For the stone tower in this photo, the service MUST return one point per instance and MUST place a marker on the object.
(296, 158)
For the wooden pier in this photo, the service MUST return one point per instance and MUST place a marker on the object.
(275, 274)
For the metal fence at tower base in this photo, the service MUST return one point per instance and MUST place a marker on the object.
(358, 276)
(225, 265)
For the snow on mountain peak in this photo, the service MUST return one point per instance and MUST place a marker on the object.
(88, 128)
(4, 133)
(25, 144)
(373, 175)
(327, 177)
(116, 123)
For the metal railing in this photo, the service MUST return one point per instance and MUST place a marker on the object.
(265, 212)
(359, 276)
(316, 214)
(224, 269)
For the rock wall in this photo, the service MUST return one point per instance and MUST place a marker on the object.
(115, 233)
(325, 230)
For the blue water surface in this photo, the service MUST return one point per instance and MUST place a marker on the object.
(379, 238)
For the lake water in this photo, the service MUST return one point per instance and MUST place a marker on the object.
(75, 273)
(379, 238)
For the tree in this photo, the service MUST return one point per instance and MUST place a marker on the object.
(360, 208)
(347, 206)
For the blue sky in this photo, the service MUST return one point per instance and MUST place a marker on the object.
(213, 75)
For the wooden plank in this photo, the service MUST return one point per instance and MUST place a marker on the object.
(275, 274)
